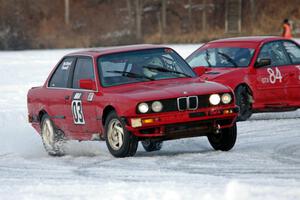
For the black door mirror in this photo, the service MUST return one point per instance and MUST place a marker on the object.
(263, 62)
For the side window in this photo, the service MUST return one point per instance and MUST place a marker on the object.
(61, 75)
(275, 52)
(293, 51)
(83, 70)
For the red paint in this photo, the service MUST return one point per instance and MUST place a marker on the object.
(56, 102)
(281, 95)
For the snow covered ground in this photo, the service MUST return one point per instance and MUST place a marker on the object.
(265, 163)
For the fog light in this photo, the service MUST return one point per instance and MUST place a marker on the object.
(136, 122)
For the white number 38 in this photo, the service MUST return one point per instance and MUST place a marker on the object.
(274, 75)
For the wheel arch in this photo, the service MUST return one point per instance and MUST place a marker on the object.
(244, 85)
(106, 111)
(41, 114)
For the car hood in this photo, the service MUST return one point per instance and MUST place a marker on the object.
(165, 89)
(211, 74)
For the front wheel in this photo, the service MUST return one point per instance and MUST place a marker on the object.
(152, 145)
(244, 101)
(53, 139)
(224, 139)
(119, 141)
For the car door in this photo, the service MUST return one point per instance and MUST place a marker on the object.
(272, 80)
(81, 104)
(293, 87)
(59, 93)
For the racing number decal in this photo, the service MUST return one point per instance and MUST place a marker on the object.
(77, 111)
(274, 75)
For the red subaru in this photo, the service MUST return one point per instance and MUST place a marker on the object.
(264, 72)
(128, 94)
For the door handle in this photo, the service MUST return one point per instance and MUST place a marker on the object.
(67, 97)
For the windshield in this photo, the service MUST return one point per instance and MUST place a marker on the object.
(221, 57)
(141, 66)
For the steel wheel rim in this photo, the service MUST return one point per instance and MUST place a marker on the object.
(47, 133)
(115, 134)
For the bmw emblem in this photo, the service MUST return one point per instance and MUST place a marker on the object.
(185, 92)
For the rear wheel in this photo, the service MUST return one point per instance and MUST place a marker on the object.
(150, 145)
(53, 139)
(223, 139)
(244, 101)
(119, 141)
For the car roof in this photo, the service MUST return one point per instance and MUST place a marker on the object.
(254, 39)
(117, 49)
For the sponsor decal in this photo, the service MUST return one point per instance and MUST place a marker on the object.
(90, 96)
(66, 65)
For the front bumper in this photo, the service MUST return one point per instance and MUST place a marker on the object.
(173, 125)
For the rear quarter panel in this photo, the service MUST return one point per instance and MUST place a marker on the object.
(36, 102)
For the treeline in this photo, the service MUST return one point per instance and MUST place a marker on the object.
(26, 24)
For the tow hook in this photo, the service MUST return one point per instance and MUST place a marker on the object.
(217, 129)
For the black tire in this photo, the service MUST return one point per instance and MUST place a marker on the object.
(244, 101)
(224, 140)
(152, 145)
(119, 144)
(53, 139)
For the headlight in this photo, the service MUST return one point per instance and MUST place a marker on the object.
(214, 99)
(143, 107)
(157, 106)
(226, 98)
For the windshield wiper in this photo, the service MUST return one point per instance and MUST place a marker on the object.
(228, 59)
(161, 69)
(131, 75)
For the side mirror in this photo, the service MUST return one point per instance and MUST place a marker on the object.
(263, 62)
(200, 70)
(87, 84)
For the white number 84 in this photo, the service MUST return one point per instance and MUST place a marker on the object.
(274, 75)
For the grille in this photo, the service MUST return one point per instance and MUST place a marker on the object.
(187, 103)
(182, 103)
(202, 126)
(193, 102)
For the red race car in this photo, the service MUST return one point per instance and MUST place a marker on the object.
(264, 72)
(128, 94)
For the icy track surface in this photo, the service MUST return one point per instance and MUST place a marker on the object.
(265, 163)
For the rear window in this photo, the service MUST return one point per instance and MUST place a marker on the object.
(293, 51)
(60, 77)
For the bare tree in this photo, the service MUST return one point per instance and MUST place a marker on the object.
(253, 13)
(204, 7)
(67, 12)
(190, 23)
(164, 14)
(139, 15)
